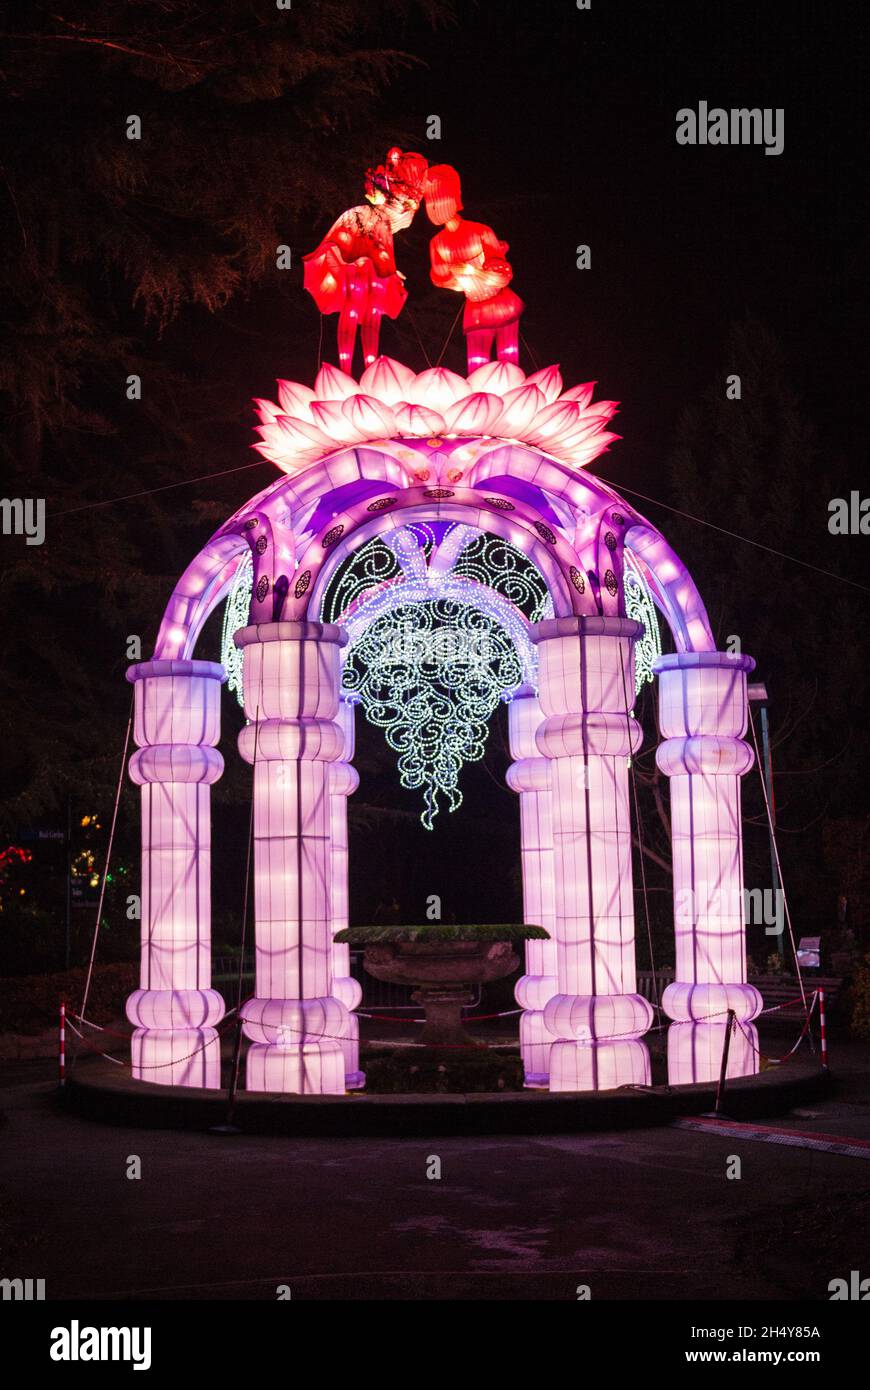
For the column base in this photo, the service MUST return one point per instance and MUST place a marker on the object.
(177, 1057)
(535, 1044)
(695, 1052)
(709, 1003)
(602, 1066)
(598, 1018)
(354, 1079)
(303, 1069)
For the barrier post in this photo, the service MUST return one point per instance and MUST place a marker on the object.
(726, 1047)
(62, 1040)
(228, 1127)
(824, 1040)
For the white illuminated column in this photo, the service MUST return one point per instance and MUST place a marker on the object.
(596, 1017)
(174, 1011)
(530, 777)
(344, 781)
(295, 1022)
(702, 715)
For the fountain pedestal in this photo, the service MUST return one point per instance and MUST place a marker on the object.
(442, 963)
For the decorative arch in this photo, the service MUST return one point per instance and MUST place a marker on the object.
(673, 587)
(507, 455)
(413, 505)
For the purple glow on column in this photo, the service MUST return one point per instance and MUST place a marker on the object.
(702, 714)
(531, 777)
(177, 724)
(291, 680)
(586, 672)
(344, 781)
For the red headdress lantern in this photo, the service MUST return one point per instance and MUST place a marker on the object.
(353, 270)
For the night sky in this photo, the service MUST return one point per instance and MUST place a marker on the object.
(562, 124)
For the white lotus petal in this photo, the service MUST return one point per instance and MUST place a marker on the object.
(582, 454)
(584, 431)
(475, 414)
(305, 431)
(387, 379)
(521, 406)
(601, 410)
(602, 442)
(288, 453)
(330, 417)
(437, 388)
(295, 398)
(266, 410)
(581, 394)
(498, 377)
(370, 417)
(549, 381)
(497, 400)
(553, 421)
(330, 384)
(418, 419)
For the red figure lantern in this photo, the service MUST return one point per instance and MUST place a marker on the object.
(353, 271)
(469, 258)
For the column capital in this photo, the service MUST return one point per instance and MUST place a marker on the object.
(303, 740)
(585, 669)
(589, 626)
(703, 693)
(177, 707)
(529, 775)
(176, 762)
(292, 632)
(704, 755)
(524, 717)
(688, 661)
(168, 667)
(612, 734)
(292, 671)
(343, 779)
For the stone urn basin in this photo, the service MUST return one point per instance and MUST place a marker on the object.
(443, 962)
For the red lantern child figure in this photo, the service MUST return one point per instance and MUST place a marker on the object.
(353, 272)
(469, 258)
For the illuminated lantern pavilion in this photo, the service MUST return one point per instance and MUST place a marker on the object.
(405, 504)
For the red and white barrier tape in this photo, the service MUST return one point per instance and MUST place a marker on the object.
(301, 1036)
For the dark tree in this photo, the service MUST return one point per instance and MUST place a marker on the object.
(155, 257)
(757, 467)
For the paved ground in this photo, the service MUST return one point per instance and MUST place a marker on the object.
(641, 1215)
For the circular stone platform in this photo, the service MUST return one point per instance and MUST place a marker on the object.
(96, 1091)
